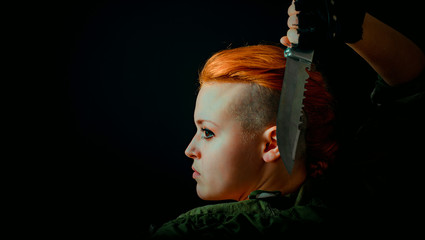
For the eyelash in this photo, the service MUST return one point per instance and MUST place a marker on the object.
(207, 131)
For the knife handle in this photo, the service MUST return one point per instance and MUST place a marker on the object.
(300, 55)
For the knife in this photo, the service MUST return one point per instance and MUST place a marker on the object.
(290, 113)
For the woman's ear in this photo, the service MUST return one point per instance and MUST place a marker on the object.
(270, 149)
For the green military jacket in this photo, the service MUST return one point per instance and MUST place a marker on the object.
(263, 214)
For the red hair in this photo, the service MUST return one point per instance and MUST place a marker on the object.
(265, 65)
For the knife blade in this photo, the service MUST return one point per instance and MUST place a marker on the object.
(289, 116)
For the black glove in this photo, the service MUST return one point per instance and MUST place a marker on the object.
(320, 21)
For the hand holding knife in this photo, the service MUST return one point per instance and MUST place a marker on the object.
(311, 23)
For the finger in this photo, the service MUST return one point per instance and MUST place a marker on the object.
(293, 21)
(291, 10)
(293, 36)
(285, 41)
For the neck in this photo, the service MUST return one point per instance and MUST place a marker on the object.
(276, 178)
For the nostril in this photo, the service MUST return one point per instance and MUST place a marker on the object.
(191, 150)
(192, 154)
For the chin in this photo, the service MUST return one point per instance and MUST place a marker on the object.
(201, 193)
(204, 195)
(212, 197)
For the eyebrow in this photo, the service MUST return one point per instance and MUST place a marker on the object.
(200, 121)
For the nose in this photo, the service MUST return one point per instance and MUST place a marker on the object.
(192, 151)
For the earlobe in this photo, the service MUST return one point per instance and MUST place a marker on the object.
(271, 155)
(271, 151)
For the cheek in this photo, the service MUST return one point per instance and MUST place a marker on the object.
(215, 172)
(228, 162)
(215, 158)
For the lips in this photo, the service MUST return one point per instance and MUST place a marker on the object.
(195, 174)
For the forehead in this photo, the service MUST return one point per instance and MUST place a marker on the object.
(215, 98)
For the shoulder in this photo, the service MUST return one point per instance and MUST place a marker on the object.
(211, 216)
(245, 218)
(247, 206)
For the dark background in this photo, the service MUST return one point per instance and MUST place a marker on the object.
(107, 106)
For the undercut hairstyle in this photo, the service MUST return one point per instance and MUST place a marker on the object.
(262, 67)
(256, 109)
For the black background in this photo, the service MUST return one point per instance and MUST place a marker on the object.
(106, 109)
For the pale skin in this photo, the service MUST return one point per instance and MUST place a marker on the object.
(225, 167)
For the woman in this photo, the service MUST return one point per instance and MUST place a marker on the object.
(234, 151)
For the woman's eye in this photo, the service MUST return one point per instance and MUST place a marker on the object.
(207, 133)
